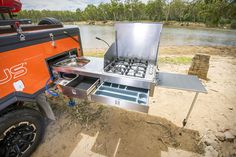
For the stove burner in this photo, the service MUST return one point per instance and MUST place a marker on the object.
(130, 67)
(131, 72)
(140, 74)
(138, 68)
(124, 63)
(120, 66)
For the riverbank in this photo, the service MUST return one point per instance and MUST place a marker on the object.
(179, 50)
(169, 23)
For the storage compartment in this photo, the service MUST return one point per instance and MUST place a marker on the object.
(79, 87)
(122, 96)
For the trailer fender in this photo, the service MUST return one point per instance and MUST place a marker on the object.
(44, 106)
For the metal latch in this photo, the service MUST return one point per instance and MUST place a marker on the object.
(52, 38)
(22, 37)
(19, 31)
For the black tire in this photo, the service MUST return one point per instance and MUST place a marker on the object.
(22, 130)
(49, 21)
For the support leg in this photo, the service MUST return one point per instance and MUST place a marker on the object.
(190, 109)
(71, 102)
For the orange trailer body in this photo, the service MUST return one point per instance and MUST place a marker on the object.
(24, 67)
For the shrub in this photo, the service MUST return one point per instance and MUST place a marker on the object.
(224, 21)
(233, 24)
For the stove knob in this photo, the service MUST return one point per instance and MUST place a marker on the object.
(151, 70)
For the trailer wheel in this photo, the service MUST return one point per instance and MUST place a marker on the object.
(21, 131)
(49, 21)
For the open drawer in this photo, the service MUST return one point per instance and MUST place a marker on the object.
(79, 87)
(122, 96)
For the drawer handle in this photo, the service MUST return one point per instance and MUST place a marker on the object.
(73, 91)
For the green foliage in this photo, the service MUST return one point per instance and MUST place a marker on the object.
(233, 24)
(211, 12)
(175, 60)
(95, 54)
(224, 21)
(155, 10)
(36, 15)
(177, 10)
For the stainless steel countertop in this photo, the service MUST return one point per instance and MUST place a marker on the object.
(94, 66)
(180, 82)
(95, 69)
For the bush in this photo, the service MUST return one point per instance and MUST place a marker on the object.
(212, 23)
(233, 24)
(223, 21)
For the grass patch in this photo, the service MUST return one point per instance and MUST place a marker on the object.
(175, 60)
(84, 112)
(95, 54)
(167, 60)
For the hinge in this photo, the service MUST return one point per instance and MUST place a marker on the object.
(156, 78)
(19, 31)
(53, 43)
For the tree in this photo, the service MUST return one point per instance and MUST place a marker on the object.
(177, 10)
(211, 12)
(154, 10)
(90, 12)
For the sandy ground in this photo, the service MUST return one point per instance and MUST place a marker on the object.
(110, 131)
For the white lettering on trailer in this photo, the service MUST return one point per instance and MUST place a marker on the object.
(13, 72)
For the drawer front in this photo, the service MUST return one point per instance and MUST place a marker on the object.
(79, 87)
(122, 96)
(74, 93)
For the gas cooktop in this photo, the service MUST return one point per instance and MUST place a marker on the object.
(126, 66)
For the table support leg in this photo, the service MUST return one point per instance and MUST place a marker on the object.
(190, 110)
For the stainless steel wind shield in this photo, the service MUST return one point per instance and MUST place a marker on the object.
(138, 40)
(110, 55)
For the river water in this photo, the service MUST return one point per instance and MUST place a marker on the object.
(171, 36)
